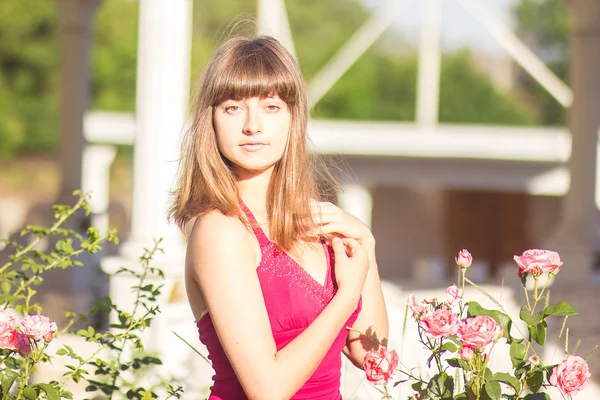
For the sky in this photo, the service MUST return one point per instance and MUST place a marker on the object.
(459, 28)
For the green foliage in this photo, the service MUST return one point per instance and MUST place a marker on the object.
(114, 56)
(544, 26)
(28, 75)
(121, 348)
(380, 86)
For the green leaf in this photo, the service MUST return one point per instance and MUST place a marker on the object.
(449, 346)
(493, 390)
(517, 353)
(507, 379)
(29, 393)
(6, 287)
(460, 396)
(528, 318)
(8, 379)
(487, 374)
(538, 332)
(562, 308)
(535, 381)
(458, 363)
(51, 392)
(441, 387)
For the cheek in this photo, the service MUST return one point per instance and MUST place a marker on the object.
(282, 129)
(223, 135)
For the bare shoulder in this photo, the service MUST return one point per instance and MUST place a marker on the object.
(215, 225)
(212, 239)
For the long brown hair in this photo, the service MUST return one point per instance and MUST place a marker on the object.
(245, 67)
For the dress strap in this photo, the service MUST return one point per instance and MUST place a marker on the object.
(263, 240)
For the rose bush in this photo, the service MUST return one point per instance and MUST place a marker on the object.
(25, 333)
(461, 335)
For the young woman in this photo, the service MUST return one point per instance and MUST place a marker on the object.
(271, 298)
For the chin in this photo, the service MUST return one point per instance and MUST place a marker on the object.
(254, 169)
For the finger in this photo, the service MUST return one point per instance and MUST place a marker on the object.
(339, 248)
(352, 246)
(331, 228)
(326, 219)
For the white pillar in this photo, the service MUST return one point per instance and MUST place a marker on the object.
(428, 84)
(97, 160)
(273, 21)
(75, 38)
(164, 48)
(357, 200)
(577, 238)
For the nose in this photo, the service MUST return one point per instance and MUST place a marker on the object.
(253, 125)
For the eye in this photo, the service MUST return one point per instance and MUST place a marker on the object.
(232, 108)
(273, 108)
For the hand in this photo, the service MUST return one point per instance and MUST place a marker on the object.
(351, 266)
(332, 220)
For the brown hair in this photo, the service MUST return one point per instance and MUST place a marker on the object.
(245, 67)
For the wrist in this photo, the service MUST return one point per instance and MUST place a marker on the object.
(348, 295)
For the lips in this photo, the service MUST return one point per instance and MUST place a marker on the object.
(252, 147)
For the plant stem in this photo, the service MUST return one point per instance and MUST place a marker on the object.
(527, 297)
(536, 298)
(145, 266)
(35, 241)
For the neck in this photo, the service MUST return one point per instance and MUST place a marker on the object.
(253, 190)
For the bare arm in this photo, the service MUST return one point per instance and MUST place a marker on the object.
(373, 318)
(232, 292)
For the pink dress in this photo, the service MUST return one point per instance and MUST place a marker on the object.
(293, 299)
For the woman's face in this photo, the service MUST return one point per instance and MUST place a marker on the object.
(252, 133)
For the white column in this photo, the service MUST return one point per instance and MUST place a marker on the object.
(273, 21)
(428, 84)
(75, 39)
(357, 200)
(163, 75)
(577, 238)
(97, 160)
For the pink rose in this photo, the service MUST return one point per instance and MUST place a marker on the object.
(442, 322)
(571, 375)
(419, 309)
(538, 262)
(7, 331)
(479, 331)
(8, 339)
(452, 294)
(464, 259)
(38, 327)
(379, 365)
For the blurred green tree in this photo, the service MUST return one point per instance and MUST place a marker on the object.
(380, 85)
(544, 26)
(28, 75)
